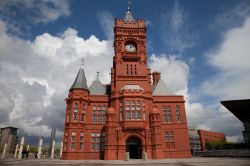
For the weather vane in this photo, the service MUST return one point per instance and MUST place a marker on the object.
(82, 64)
(128, 5)
(98, 75)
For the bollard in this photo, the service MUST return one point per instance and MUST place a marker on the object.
(15, 156)
(21, 148)
(61, 149)
(52, 149)
(145, 156)
(4, 150)
(126, 156)
(40, 147)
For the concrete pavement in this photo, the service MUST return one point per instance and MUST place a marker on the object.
(195, 161)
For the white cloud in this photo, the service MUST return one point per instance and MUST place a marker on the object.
(36, 76)
(19, 15)
(231, 59)
(106, 20)
(173, 71)
(177, 34)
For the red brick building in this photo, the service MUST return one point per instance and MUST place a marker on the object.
(210, 136)
(131, 114)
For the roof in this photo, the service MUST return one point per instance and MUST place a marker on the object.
(9, 127)
(240, 108)
(161, 89)
(80, 81)
(128, 17)
(97, 88)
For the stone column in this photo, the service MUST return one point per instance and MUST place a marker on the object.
(40, 147)
(28, 147)
(15, 156)
(4, 150)
(61, 149)
(52, 149)
(21, 148)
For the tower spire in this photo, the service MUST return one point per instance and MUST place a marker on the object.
(128, 14)
(128, 6)
(97, 75)
(82, 63)
(80, 81)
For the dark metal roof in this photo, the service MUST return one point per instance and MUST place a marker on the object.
(128, 17)
(240, 108)
(161, 89)
(97, 88)
(80, 81)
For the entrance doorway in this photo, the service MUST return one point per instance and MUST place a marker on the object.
(133, 146)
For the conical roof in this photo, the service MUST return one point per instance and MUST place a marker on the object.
(161, 89)
(80, 81)
(97, 88)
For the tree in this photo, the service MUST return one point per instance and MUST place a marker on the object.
(212, 145)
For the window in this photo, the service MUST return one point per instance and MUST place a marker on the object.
(178, 113)
(121, 110)
(95, 141)
(81, 136)
(72, 146)
(81, 146)
(83, 112)
(132, 105)
(104, 108)
(169, 139)
(67, 117)
(131, 69)
(133, 115)
(73, 136)
(167, 115)
(65, 140)
(133, 109)
(127, 70)
(75, 112)
(99, 114)
(81, 140)
(135, 70)
(127, 105)
(127, 115)
(73, 139)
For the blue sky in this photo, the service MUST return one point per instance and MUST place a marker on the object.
(200, 47)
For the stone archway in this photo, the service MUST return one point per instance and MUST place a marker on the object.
(133, 146)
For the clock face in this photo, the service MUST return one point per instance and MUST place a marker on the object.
(130, 48)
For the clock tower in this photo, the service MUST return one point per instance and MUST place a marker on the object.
(132, 116)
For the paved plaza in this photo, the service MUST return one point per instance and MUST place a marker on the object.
(196, 161)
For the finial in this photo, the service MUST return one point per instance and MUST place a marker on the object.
(128, 15)
(97, 75)
(128, 5)
(82, 64)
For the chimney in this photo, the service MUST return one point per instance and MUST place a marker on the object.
(156, 77)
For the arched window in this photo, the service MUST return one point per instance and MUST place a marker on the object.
(138, 109)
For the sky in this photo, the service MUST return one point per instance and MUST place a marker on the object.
(201, 48)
